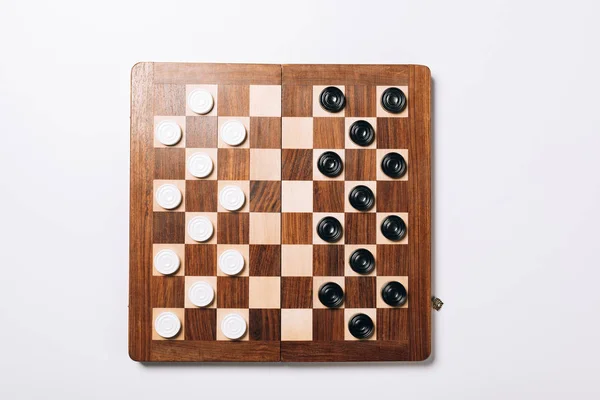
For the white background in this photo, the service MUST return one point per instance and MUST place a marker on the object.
(516, 190)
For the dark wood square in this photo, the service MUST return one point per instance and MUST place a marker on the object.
(392, 133)
(328, 260)
(296, 164)
(328, 196)
(361, 165)
(169, 99)
(296, 291)
(233, 100)
(201, 196)
(360, 228)
(265, 260)
(328, 133)
(201, 324)
(233, 228)
(296, 101)
(169, 163)
(201, 259)
(392, 324)
(296, 228)
(265, 132)
(392, 196)
(232, 291)
(167, 291)
(265, 196)
(328, 325)
(361, 101)
(233, 164)
(392, 260)
(264, 324)
(168, 227)
(360, 292)
(201, 132)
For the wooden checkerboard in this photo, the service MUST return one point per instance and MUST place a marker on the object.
(286, 196)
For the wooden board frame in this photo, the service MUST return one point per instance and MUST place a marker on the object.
(144, 77)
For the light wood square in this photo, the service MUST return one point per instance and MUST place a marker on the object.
(319, 281)
(180, 121)
(178, 248)
(381, 176)
(244, 185)
(180, 312)
(296, 260)
(348, 121)
(317, 217)
(319, 111)
(244, 249)
(244, 120)
(264, 292)
(382, 281)
(349, 185)
(265, 164)
(297, 133)
(222, 312)
(382, 239)
(211, 216)
(296, 324)
(212, 89)
(212, 153)
(351, 248)
(180, 185)
(296, 196)
(265, 100)
(265, 228)
(317, 175)
(190, 280)
(351, 312)
(381, 112)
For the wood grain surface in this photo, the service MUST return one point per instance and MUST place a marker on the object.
(293, 326)
(336, 351)
(400, 333)
(419, 272)
(158, 91)
(140, 215)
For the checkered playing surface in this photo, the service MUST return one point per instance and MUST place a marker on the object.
(253, 230)
(308, 196)
(285, 261)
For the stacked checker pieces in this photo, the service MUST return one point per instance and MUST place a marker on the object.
(216, 215)
(345, 176)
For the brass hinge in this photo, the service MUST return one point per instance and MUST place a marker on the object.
(436, 303)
